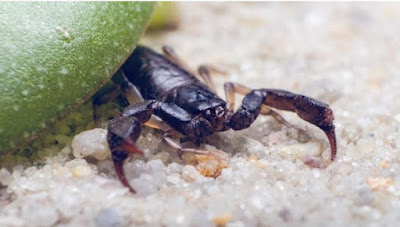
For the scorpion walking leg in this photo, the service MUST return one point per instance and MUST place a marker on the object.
(266, 110)
(170, 53)
(232, 88)
(99, 100)
(130, 91)
(110, 92)
(205, 75)
(208, 163)
(176, 147)
(124, 130)
(203, 70)
(133, 96)
(308, 109)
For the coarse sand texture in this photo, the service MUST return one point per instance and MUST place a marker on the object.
(344, 54)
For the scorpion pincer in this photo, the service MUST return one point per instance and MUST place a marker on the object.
(187, 108)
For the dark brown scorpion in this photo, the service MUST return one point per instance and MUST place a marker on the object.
(191, 109)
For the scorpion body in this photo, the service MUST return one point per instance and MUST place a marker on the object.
(157, 78)
(191, 108)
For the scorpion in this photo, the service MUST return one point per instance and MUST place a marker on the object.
(186, 108)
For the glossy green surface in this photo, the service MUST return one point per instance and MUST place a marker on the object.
(55, 55)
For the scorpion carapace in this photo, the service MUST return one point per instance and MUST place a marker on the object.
(192, 110)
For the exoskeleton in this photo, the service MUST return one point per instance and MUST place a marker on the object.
(189, 108)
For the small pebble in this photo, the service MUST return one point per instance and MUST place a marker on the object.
(190, 174)
(81, 171)
(300, 151)
(108, 217)
(91, 143)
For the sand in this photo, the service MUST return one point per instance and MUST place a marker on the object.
(344, 54)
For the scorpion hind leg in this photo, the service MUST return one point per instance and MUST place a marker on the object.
(121, 136)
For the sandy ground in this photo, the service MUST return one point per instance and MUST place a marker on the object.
(344, 54)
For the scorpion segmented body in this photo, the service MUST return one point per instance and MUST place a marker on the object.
(157, 78)
(192, 109)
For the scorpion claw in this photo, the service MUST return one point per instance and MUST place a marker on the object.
(119, 169)
(122, 135)
(330, 133)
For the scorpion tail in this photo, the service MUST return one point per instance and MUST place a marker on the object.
(122, 135)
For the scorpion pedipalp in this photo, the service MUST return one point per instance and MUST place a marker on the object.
(308, 109)
(124, 130)
(121, 136)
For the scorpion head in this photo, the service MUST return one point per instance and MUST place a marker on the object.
(217, 116)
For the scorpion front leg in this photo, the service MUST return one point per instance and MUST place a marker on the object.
(308, 109)
(124, 130)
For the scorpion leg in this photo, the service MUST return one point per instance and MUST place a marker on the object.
(168, 139)
(209, 163)
(110, 92)
(266, 110)
(100, 99)
(133, 96)
(232, 88)
(170, 53)
(124, 130)
(308, 109)
(203, 70)
(130, 91)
